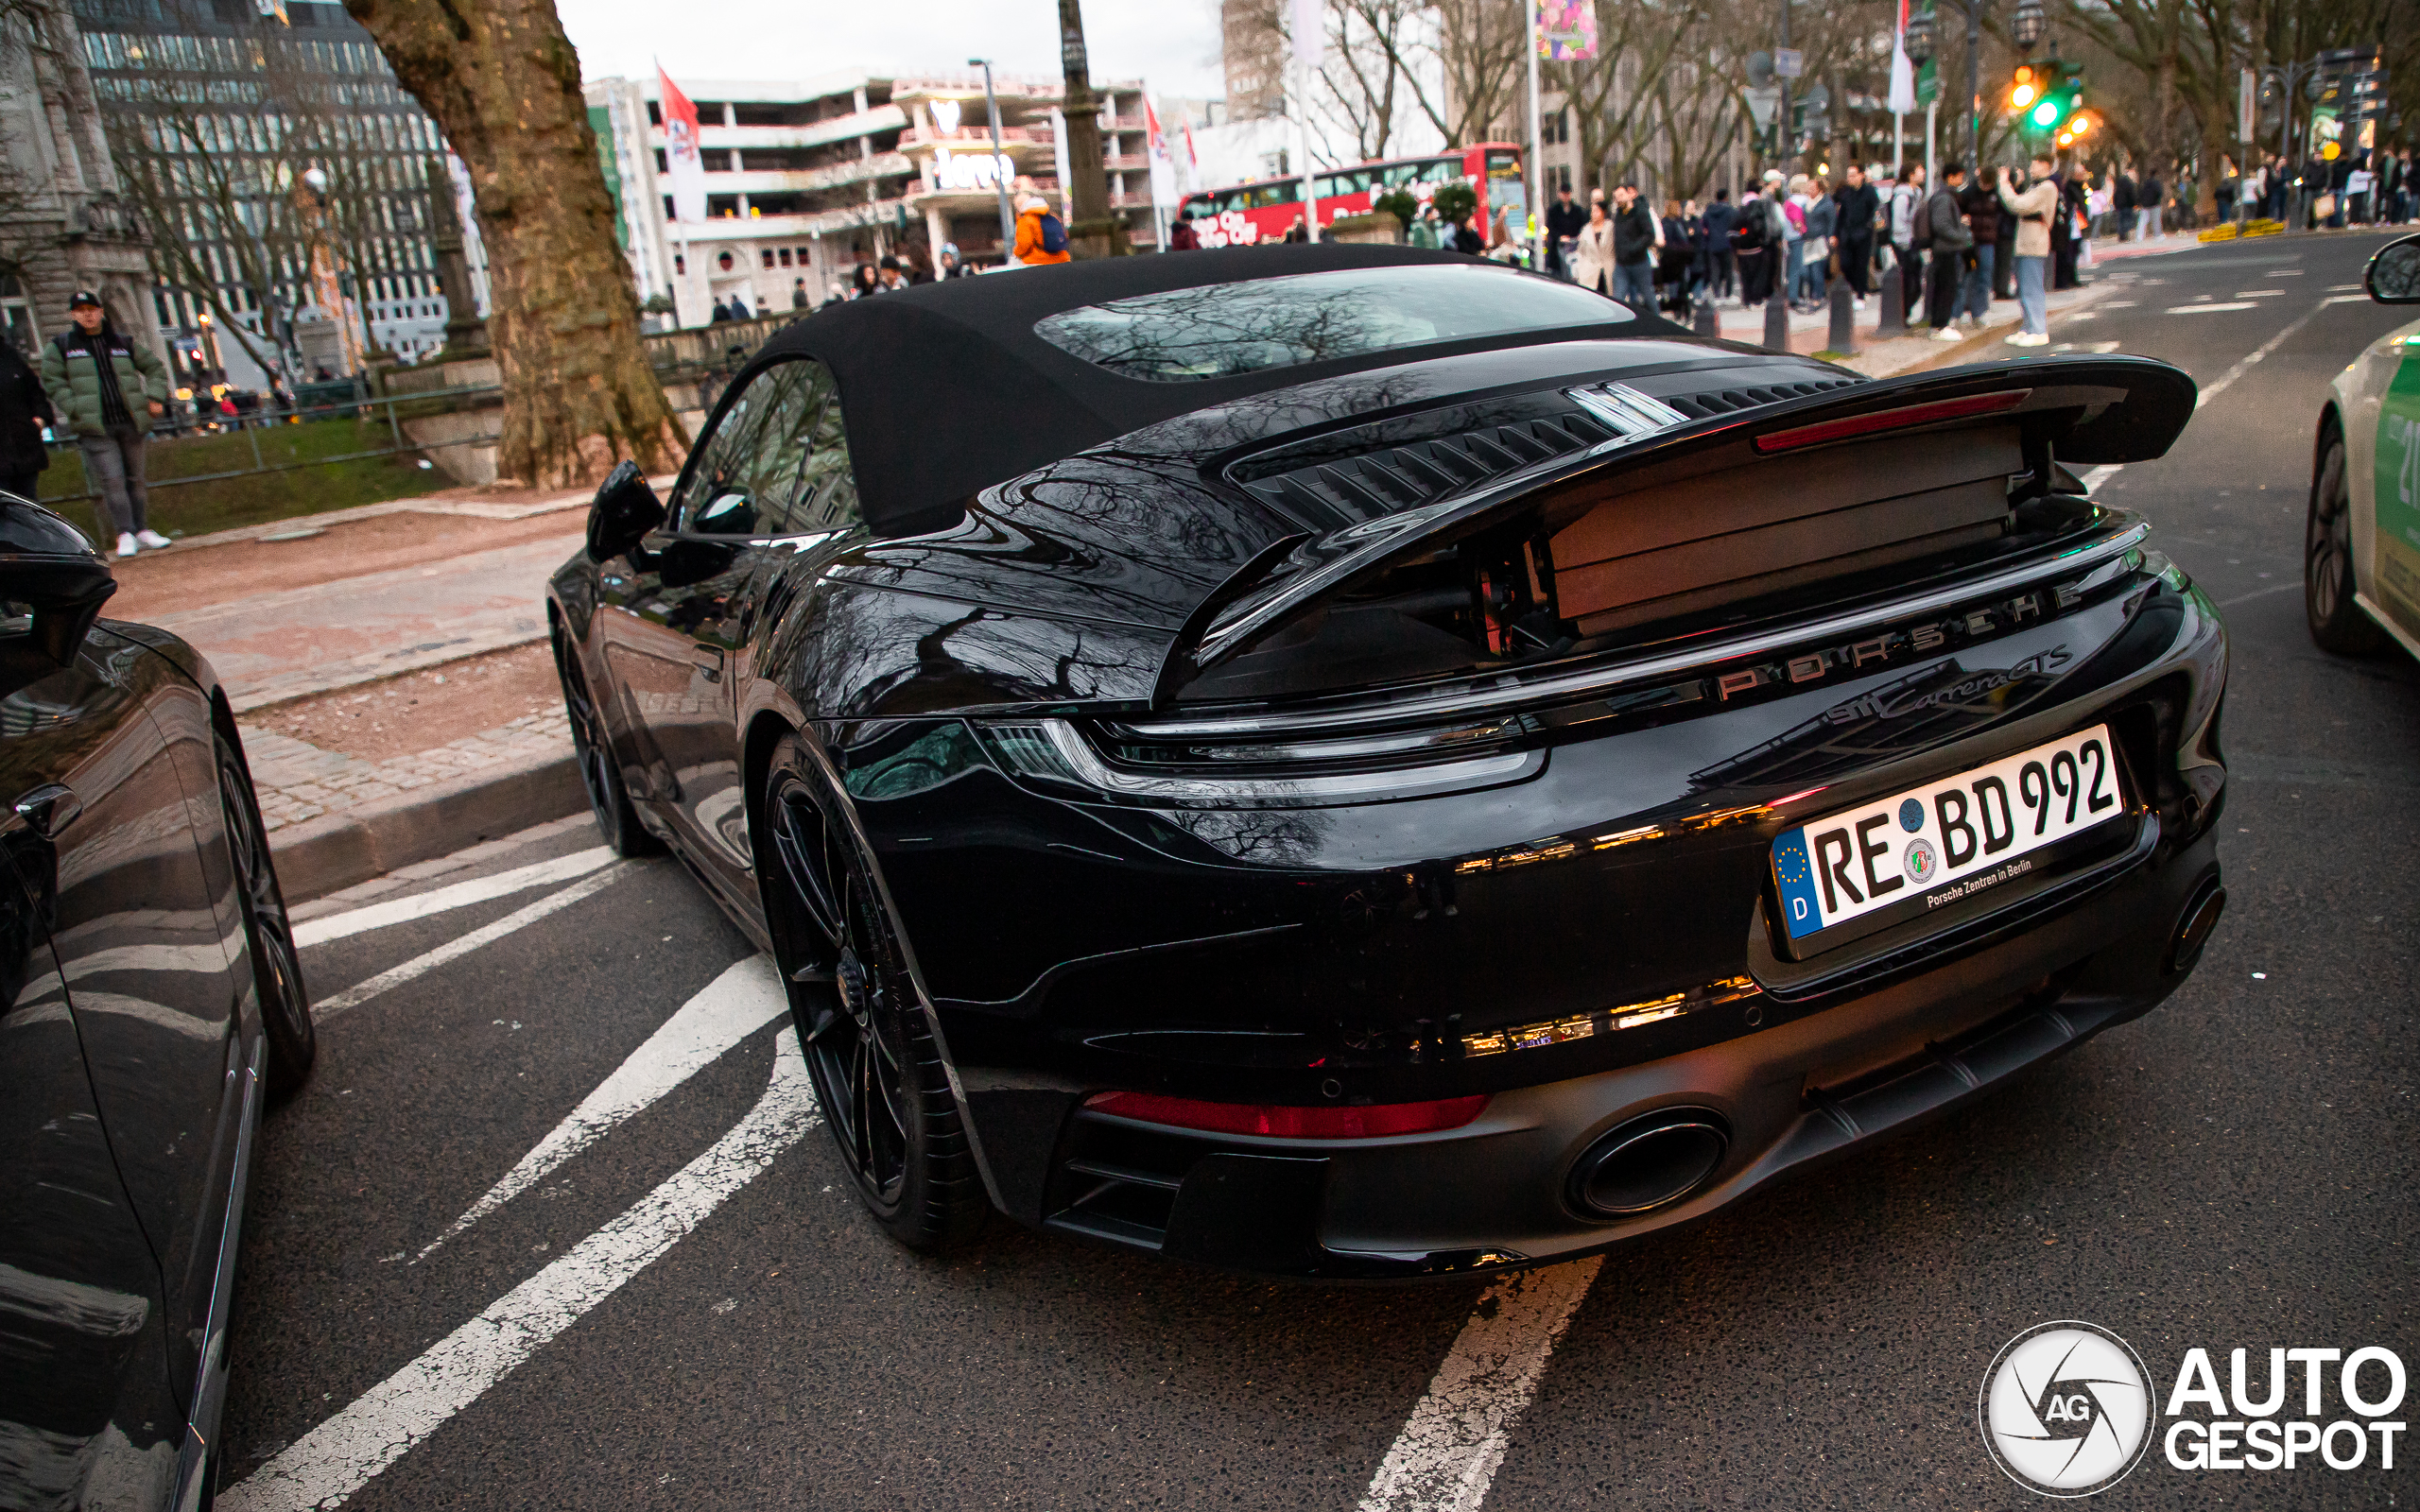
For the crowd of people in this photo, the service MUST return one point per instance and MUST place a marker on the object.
(2011, 232)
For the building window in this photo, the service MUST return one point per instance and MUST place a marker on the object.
(768, 255)
(679, 263)
(786, 257)
(723, 262)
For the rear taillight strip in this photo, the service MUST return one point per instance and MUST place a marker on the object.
(1907, 417)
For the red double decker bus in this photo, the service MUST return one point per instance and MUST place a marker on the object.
(1264, 210)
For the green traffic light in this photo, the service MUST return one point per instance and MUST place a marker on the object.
(2047, 115)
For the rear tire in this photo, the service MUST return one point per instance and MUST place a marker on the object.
(594, 751)
(877, 1069)
(2337, 624)
(277, 965)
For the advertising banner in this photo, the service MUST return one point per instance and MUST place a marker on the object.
(1567, 29)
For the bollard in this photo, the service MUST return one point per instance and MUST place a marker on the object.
(1842, 341)
(1894, 303)
(1703, 321)
(1777, 320)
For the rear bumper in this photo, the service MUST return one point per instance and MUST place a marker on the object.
(1496, 1193)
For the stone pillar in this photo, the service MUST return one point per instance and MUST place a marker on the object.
(466, 335)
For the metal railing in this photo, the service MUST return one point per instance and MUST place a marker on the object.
(710, 377)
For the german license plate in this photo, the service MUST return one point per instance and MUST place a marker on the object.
(1936, 845)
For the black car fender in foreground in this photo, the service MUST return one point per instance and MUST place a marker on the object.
(1324, 760)
(151, 1005)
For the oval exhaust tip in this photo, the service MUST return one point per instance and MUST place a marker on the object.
(1648, 1162)
(2195, 924)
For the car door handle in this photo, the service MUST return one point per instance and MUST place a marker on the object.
(708, 660)
(50, 808)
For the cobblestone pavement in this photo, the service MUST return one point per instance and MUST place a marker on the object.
(298, 781)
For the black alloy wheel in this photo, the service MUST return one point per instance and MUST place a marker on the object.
(877, 1071)
(277, 965)
(607, 799)
(2337, 624)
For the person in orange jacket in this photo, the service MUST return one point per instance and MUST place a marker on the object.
(1041, 237)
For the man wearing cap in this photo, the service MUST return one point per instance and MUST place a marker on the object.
(107, 390)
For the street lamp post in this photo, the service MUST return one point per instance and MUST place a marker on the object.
(1920, 51)
(999, 162)
(2286, 77)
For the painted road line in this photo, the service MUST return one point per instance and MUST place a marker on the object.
(418, 966)
(2347, 299)
(1447, 1454)
(2101, 474)
(2226, 380)
(2205, 309)
(2344, 288)
(2245, 598)
(344, 1453)
(730, 1009)
(460, 895)
(2119, 305)
(2261, 294)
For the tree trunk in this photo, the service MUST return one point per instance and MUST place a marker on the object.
(1088, 195)
(503, 83)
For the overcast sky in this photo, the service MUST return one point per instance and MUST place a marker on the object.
(1172, 45)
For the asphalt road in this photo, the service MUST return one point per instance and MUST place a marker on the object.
(688, 1310)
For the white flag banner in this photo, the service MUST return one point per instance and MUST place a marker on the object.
(684, 161)
(1903, 74)
(1163, 165)
(1310, 31)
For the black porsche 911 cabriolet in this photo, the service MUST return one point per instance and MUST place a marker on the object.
(1354, 762)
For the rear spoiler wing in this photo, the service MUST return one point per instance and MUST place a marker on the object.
(2084, 409)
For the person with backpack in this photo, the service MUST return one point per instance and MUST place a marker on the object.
(1980, 200)
(107, 390)
(1907, 208)
(1943, 232)
(1041, 237)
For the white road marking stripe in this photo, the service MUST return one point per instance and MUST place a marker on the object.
(1447, 1454)
(2226, 379)
(730, 1009)
(2225, 603)
(2342, 289)
(395, 976)
(2099, 475)
(2204, 309)
(2347, 299)
(460, 895)
(342, 1454)
(2259, 294)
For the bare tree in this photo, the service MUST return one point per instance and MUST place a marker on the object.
(503, 83)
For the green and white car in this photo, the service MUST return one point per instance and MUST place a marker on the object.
(2362, 544)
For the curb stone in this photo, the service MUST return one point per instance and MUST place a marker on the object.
(336, 851)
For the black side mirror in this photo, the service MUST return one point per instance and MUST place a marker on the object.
(2394, 274)
(46, 565)
(624, 511)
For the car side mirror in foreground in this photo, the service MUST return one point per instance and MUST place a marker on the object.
(46, 566)
(2393, 275)
(624, 511)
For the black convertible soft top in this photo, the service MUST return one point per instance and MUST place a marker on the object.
(949, 390)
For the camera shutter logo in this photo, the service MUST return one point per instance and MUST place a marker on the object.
(2067, 1409)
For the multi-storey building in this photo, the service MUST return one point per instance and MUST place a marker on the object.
(63, 225)
(216, 110)
(1253, 47)
(805, 179)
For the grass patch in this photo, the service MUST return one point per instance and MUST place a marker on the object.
(199, 508)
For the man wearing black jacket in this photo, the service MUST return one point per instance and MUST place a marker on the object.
(1945, 233)
(1634, 238)
(1563, 220)
(1858, 205)
(1720, 218)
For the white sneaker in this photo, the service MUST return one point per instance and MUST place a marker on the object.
(2025, 339)
(152, 539)
(1949, 333)
(126, 546)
